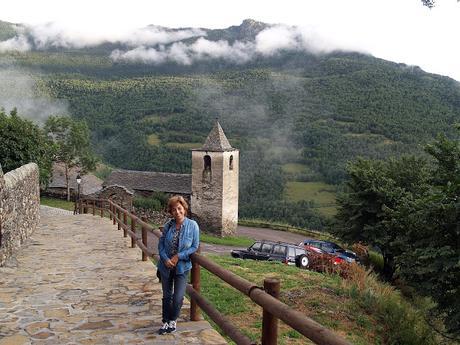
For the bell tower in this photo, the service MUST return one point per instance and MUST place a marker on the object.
(215, 168)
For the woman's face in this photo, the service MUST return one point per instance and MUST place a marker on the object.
(178, 212)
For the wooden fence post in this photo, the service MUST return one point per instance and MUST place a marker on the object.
(114, 211)
(133, 229)
(118, 218)
(195, 314)
(102, 204)
(125, 222)
(94, 207)
(270, 322)
(144, 238)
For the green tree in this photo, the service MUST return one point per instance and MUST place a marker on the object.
(431, 260)
(72, 140)
(22, 142)
(411, 211)
(375, 189)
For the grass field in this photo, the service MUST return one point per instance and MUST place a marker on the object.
(58, 203)
(323, 194)
(295, 168)
(361, 309)
(185, 145)
(236, 241)
(153, 139)
(153, 119)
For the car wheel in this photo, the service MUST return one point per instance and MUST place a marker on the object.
(302, 261)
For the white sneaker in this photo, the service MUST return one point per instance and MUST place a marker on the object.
(164, 329)
(172, 326)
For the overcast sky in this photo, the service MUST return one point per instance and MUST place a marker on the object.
(400, 31)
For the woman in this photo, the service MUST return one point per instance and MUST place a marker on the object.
(180, 239)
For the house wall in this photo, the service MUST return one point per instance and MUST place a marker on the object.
(230, 193)
(19, 208)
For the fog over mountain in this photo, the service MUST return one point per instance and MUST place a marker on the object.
(156, 45)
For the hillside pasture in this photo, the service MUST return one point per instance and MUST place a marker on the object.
(362, 310)
(187, 146)
(153, 139)
(322, 194)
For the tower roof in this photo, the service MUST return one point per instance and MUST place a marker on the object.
(216, 140)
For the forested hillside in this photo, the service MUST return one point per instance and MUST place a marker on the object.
(293, 107)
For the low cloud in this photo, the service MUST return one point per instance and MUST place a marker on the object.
(52, 35)
(268, 42)
(186, 54)
(157, 45)
(18, 89)
(18, 43)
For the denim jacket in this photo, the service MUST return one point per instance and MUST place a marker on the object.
(189, 240)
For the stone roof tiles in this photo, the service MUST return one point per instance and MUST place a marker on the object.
(216, 140)
(151, 181)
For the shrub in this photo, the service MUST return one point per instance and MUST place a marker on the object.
(148, 203)
(403, 323)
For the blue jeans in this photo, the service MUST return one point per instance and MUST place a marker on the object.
(173, 286)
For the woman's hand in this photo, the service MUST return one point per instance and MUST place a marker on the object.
(175, 259)
(169, 264)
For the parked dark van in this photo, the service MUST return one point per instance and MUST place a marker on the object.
(287, 253)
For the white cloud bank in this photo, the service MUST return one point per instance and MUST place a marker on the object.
(17, 43)
(268, 42)
(52, 35)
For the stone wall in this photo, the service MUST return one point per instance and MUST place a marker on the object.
(215, 191)
(19, 208)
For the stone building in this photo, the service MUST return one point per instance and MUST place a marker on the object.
(90, 184)
(211, 189)
(215, 168)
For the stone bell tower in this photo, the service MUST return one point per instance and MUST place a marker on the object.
(214, 198)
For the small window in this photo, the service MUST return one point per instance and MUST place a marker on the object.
(230, 164)
(256, 246)
(299, 252)
(207, 162)
(279, 250)
(207, 174)
(266, 248)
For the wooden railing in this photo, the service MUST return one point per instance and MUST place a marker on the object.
(266, 296)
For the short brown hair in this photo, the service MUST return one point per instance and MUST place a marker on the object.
(177, 199)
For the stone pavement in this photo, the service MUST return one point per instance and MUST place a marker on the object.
(76, 281)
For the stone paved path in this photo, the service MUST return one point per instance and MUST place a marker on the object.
(76, 281)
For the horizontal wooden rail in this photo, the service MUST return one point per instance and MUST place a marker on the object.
(301, 323)
(220, 320)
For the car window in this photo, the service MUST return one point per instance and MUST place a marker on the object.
(256, 246)
(299, 251)
(279, 250)
(266, 248)
(291, 252)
